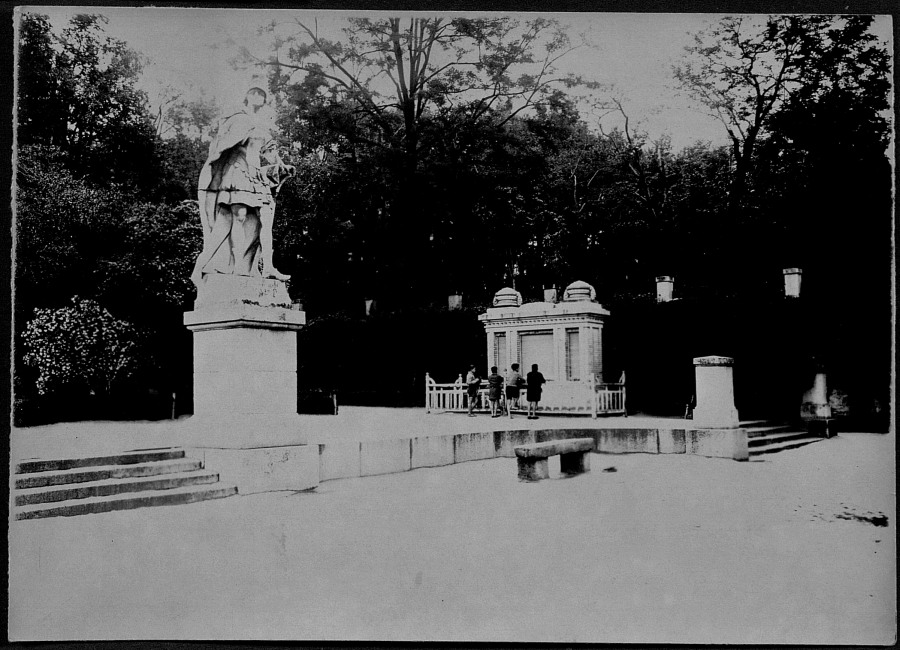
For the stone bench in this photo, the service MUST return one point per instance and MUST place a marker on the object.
(573, 457)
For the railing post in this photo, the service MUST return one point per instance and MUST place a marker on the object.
(427, 393)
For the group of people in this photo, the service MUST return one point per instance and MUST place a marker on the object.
(504, 392)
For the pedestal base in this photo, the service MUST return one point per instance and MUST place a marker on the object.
(822, 427)
(715, 418)
(814, 411)
(717, 443)
(245, 378)
(264, 469)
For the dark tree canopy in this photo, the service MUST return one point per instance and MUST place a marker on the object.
(746, 71)
(77, 93)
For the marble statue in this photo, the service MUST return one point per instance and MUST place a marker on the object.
(236, 193)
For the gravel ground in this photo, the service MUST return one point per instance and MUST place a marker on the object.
(797, 548)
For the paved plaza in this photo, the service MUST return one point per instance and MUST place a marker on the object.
(643, 548)
(353, 423)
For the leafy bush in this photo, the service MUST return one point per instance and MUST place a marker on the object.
(80, 346)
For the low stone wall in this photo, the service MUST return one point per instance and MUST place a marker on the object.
(342, 460)
(295, 467)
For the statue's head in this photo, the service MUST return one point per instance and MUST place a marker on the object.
(256, 97)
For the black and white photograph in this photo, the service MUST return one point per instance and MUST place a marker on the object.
(351, 325)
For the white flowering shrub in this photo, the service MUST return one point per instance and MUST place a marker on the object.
(80, 345)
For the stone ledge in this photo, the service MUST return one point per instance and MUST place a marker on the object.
(553, 448)
(228, 316)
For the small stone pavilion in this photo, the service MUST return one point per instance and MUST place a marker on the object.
(564, 338)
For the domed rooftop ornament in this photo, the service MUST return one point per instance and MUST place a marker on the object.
(507, 297)
(579, 291)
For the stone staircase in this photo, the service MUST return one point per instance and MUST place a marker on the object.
(133, 479)
(765, 437)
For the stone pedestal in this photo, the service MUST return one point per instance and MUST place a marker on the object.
(715, 393)
(815, 405)
(245, 384)
(665, 285)
(815, 409)
(792, 280)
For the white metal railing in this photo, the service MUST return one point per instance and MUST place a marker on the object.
(453, 397)
(598, 398)
(609, 399)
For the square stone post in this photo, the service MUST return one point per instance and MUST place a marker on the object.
(664, 288)
(716, 430)
(245, 423)
(793, 278)
(715, 393)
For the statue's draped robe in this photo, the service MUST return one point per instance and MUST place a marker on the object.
(233, 174)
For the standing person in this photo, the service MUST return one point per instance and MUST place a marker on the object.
(473, 383)
(495, 390)
(535, 382)
(514, 381)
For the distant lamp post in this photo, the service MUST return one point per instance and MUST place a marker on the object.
(792, 278)
(665, 284)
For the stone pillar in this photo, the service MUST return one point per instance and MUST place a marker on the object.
(512, 346)
(490, 351)
(559, 349)
(245, 422)
(715, 393)
(598, 368)
(664, 287)
(815, 404)
(454, 301)
(584, 351)
(550, 295)
(792, 278)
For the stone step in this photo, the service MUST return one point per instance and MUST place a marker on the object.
(175, 496)
(102, 473)
(756, 432)
(110, 487)
(779, 437)
(746, 424)
(125, 458)
(782, 446)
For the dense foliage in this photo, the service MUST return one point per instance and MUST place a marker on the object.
(80, 346)
(440, 157)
